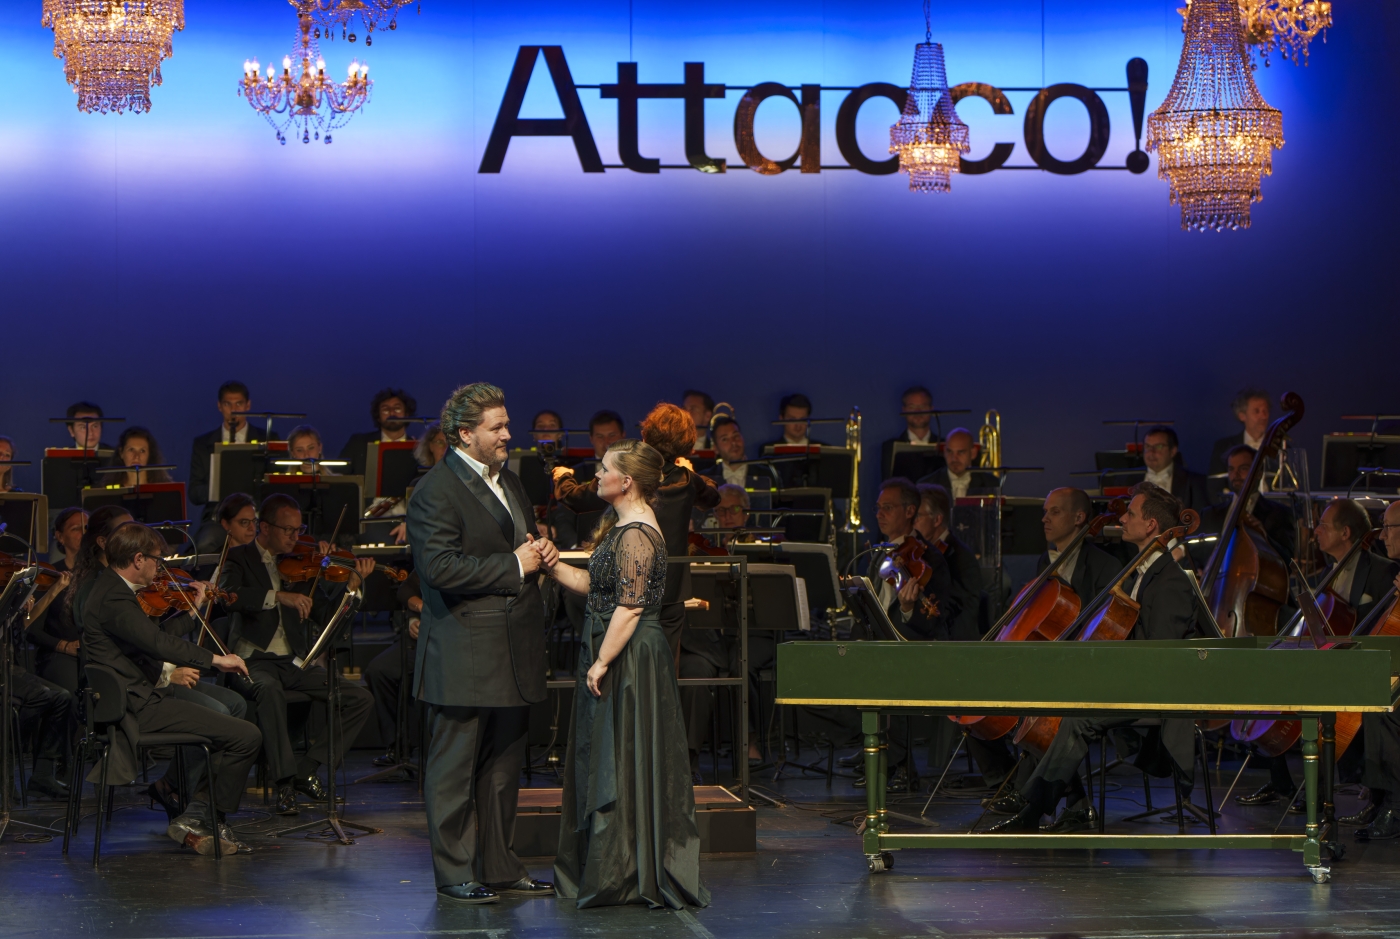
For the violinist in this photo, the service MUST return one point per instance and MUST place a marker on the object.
(1275, 520)
(137, 448)
(1090, 569)
(896, 506)
(385, 409)
(1168, 611)
(967, 596)
(960, 450)
(1161, 452)
(55, 633)
(274, 628)
(117, 633)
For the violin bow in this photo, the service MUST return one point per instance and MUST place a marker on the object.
(194, 611)
(334, 535)
(218, 572)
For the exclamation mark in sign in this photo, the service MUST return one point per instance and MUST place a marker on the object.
(1137, 97)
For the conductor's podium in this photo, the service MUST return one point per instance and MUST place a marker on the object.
(1215, 678)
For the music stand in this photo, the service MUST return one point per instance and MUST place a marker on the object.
(864, 604)
(915, 460)
(814, 564)
(12, 601)
(804, 514)
(390, 467)
(27, 512)
(325, 643)
(65, 472)
(321, 499)
(239, 467)
(147, 503)
(1344, 456)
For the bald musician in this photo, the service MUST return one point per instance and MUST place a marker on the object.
(1089, 569)
(960, 449)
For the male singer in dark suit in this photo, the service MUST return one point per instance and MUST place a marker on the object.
(233, 428)
(273, 629)
(387, 405)
(481, 658)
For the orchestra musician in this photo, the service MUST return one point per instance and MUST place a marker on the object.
(1090, 569)
(1161, 452)
(54, 633)
(385, 407)
(794, 410)
(733, 466)
(1251, 409)
(1380, 735)
(579, 506)
(304, 443)
(701, 408)
(274, 628)
(914, 406)
(85, 427)
(960, 449)
(966, 596)
(546, 426)
(137, 447)
(233, 428)
(896, 506)
(384, 674)
(1167, 611)
(1275, 520)
(7, 473)
(118, 634)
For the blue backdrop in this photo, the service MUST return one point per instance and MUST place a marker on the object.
(148, 257)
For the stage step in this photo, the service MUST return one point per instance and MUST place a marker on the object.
(726, 824)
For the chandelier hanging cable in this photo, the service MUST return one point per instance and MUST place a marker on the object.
(112, 49)
(929, 137)
(1283, 26)
(1214, 135)
(344, 14)
(302, 93)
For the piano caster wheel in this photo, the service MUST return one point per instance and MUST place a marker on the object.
(884, 861)
(1320, 875)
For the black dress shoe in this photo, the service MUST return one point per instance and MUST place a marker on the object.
(895, 780)
(1264, 795)
(469, 893)
(170, 801)
(1070, 820)
(525, 887)
(286, 800)
(1006, 805)
(310, 786)
(387, 759)
(1386, 827)
(48, 786)
(1299, 806)
(1361, 819)
(854, 759)
(1025, 821)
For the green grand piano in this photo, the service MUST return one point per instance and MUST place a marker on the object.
(1207, 678)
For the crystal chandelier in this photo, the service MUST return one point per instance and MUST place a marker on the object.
(1282, 26)
(112, 49)
(303, 94)
(371, 14)
(1214, 135)
(929, 137)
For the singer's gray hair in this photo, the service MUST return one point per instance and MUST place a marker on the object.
(467, 408)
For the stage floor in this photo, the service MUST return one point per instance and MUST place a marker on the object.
(808, 878)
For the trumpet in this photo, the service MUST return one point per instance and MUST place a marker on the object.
(989, 440)
(853, 422)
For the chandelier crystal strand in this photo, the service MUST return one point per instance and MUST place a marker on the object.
(302, 94)
(1283, 26)
(929, 137)
(330, 15)
(1214, 134)
(112, 49)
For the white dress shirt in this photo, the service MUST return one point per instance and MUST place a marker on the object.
(1163, 479)
(804, 442)
(1142, 569)
(238, 436)
(278, 644)
(1066, 569)
(736, 474)
(959, 484)
(1341, 584)
(925, 441)
(492, 479)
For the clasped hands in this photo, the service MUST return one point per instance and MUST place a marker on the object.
(537, 554)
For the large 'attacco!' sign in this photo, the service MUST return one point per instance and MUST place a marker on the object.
(694, 91)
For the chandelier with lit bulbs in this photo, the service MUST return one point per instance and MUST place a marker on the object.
(1214, 134)
(1283, 26)
(302, 94)
(112, 49)
(346, 14)
(929, 137)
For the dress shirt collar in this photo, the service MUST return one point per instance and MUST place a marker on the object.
(481, 469)
(238, 436)
(923, 441)
(1163, 479)
(1251, 441)
(134, 588)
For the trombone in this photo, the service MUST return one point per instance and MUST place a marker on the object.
(989, 441)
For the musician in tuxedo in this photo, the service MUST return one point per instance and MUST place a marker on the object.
(1168, 610)
(915, 405)
(273, 626)
(481, 654)
(384, 673)
(233, 427)
(1380, 733)
(793, 411)
(579, 506)
(118, 634)
(1089, 569)
(966, 595)
(1275, 520)
(960, 450)
(733, 466)
(386, 408)
(84, 425)
(1251, 408)
(1161, 452)
(896, 506)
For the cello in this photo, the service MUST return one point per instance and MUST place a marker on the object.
(1043, 610)
(1384, 620)
(1111, 616)
(1245, 581)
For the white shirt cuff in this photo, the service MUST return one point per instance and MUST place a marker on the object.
(270, 600)
(166, 670)
(520, 566)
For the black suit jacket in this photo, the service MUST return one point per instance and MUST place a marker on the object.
(200, 455)
(1093, 571)
(481, 632)
(1373, 579)
(756, 475)
(933, 458)
(1217, 466)
(921, 626)
(246, 575)
(982, 484)
(1191, 488)
(1168, 603)
(966, 591)
(681, 491)
(117, 633)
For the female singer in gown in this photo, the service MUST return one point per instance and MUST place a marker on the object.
(628, 832)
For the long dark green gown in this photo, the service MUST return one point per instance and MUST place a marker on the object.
(628, 830)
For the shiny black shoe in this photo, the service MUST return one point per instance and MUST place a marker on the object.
(1026, 821)
(1264, 795)
(387, 759)
(227, 833)
(47, 786)
(854, 759)
(469, 893)
(310, 786)
(286, 801)
(1386, 827)
(525, 887)
(1006, 805)
(1361, 819)
(1299, 806)
(1070, 821)
(170, 801)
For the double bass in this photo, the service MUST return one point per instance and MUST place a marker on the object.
(1111, 616)
(1246, 581)
(1042, 611)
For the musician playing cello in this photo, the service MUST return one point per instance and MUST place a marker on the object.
(1168, 611)
(1089, 569)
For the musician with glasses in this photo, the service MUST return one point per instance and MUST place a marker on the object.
(1161, 452)
(386, 409)
(274, 629)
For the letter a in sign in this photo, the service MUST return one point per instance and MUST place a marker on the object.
(510, 124)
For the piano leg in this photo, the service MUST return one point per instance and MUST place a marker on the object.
(1312, 845)
(876, 770)
(1326, 780)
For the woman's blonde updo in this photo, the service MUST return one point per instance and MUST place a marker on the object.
(644, 464)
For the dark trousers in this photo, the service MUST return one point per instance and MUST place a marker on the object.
(216, 698)
(278, 675)
(384, 675)
(1058, 770)
(234, 743)
(1380, 768)
(1279, 776)
(46, 711)
(60, 669)
(471, 787)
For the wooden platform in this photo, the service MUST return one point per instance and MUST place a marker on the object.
(727, 826)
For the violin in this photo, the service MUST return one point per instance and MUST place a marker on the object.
(1043, 610)
(907, 563)
(1245, 581)
(1111, 616)
(174, 590)
(306, 562)
(702, 545)
(11, 565)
